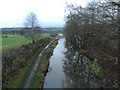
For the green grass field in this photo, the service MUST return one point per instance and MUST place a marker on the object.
(16, 40)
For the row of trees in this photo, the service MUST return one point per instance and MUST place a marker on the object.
(21, 31)
(94, 31)
(93, 26)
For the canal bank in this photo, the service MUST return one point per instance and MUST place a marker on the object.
(66, 70)
(42, 67)
(17, 63)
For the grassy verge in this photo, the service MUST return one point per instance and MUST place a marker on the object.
(18, 80)
(96, 70)
(43, 66)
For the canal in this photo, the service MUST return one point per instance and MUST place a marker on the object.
(66, 71)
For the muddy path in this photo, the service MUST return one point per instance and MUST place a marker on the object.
(28, 81)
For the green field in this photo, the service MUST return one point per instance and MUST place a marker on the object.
(16, 40)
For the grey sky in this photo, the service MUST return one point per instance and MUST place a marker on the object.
(49, 12)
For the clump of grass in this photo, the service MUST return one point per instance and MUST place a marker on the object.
(82, 51)
(96, 69)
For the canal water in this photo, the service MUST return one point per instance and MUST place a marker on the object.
(68, 72)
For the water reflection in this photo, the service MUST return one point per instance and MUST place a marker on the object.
(69, 69)
(56, 76)
(78, 72)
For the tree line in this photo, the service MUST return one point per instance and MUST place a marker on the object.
(95, 26)
(94, 31)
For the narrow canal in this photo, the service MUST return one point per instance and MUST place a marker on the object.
(68, 72)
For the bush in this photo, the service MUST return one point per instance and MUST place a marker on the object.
(15, 59)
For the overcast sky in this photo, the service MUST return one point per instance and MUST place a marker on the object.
(49, 12)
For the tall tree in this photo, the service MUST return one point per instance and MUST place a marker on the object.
(32, 22)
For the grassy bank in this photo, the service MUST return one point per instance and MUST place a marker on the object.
(43, 66)
(17, 80)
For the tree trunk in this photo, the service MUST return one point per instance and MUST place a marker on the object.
(33, 41)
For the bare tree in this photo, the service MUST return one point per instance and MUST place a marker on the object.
(92, 25)
(32, 22)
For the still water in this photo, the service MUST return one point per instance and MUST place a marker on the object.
(68, 72)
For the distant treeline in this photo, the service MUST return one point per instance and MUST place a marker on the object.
(22, 31)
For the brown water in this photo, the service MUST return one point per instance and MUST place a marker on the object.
(65, 71)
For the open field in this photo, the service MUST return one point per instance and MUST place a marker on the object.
(17, 40)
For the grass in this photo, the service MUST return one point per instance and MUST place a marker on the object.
(18, 80)
(39, 76)
(13, 41)
(96, 69)
(40, 73)
(45, 35)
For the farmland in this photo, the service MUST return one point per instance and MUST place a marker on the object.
(16, 40)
